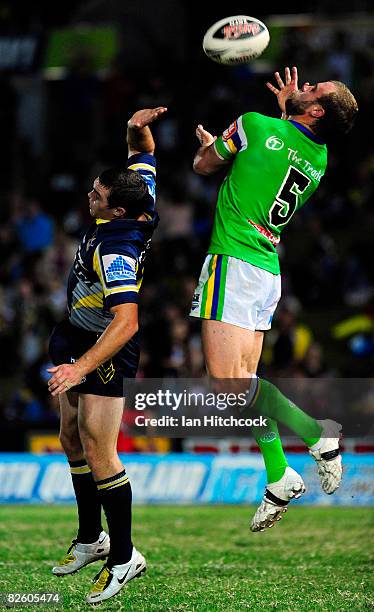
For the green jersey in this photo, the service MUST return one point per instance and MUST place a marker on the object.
(276, 166)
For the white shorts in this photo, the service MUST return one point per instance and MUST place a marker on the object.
(234, 291)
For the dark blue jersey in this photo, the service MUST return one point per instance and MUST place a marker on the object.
(108, 266)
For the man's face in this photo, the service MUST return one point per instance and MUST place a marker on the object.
(301, 100)
(98, 201)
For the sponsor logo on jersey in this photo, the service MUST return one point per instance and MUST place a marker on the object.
(268, 437)
(230, 131)
(274, 143)
(195, 301)
(119, 268)
(106, 371)
(304, 164)
(273, 239)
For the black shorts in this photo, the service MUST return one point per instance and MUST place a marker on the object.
(68, 342)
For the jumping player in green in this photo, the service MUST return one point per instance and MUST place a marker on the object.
(274, 166)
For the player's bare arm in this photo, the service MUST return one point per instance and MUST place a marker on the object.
(206, 160)
(139, 136)
(285, 87)
(122, 328)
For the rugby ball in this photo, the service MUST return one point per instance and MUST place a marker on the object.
(236, 40)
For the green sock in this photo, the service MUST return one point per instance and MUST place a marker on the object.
(272, 451)
(270, 402)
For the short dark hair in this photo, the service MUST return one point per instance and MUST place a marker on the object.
(127, 189)
(340, 109)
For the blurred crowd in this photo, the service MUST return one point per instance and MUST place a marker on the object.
(59, 134)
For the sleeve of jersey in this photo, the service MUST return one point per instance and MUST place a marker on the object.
(145, 164)
(232, 141)
(118, 278)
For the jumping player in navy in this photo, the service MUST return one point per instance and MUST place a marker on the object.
(95, 348)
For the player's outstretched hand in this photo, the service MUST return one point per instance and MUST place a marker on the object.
(205, 138)
(145, 116)
(64, 377)
(285, 88)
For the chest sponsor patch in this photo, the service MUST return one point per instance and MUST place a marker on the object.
(119, 268)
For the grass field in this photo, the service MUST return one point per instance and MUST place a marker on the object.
(205, 559)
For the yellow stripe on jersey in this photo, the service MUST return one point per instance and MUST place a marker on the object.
(90, 301)
(210, 292)
(231, 146)
(97, 268)
(143, 167)
(121, 290)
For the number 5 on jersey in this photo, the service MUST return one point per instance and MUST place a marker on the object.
(285, 204)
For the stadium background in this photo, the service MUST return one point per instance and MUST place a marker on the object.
(71, 75)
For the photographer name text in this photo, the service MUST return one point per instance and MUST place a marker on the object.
(205, 421)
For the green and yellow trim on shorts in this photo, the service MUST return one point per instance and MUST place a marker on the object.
(213, 296)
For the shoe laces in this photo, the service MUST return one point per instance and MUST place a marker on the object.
(101, 579)
(69, 557)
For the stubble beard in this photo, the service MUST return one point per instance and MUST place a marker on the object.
(294, 106)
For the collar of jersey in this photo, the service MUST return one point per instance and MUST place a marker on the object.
(113, 226)
(307, 132)
(98, 221)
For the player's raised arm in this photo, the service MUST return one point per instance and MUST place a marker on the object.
(206, 160)
(139, 136)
